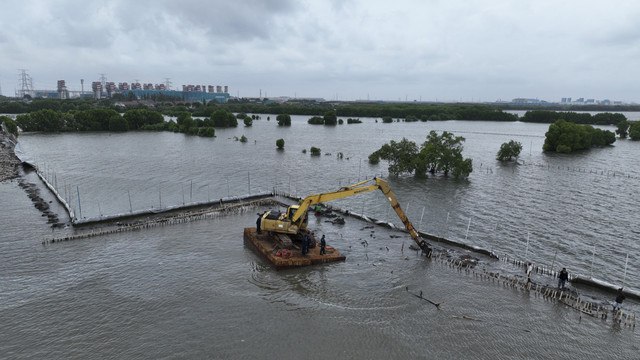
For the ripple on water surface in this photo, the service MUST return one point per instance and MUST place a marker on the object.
(193, 290)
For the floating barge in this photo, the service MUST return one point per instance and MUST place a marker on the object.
(282, 258)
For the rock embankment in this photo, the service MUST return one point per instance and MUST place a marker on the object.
(33, 192)
(8, 160)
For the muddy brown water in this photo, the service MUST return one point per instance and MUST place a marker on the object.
(193, 290)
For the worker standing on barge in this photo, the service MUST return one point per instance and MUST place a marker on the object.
(323, 245)
(305, 244)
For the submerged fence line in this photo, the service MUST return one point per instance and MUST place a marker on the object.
(235, 208)
(614, 173)
(566, 296)
(167, 209)
(72, 197)
(73, 193)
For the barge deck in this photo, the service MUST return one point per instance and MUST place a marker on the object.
(280, 258)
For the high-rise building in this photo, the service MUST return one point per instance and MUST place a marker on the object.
(62, 90)
(96, 86)
(110, 88)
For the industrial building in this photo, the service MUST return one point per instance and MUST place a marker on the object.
(189, 93)
(103, 89)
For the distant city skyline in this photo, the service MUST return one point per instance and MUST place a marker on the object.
(471, 51)
(168, 84)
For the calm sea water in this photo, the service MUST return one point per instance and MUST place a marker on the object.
(194, 290)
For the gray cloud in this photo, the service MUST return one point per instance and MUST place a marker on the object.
(429, 49)
(221, 21)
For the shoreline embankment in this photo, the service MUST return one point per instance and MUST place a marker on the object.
(8, 160)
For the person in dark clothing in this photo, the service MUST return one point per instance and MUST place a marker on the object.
(323, 245)
(305, 244)
(258, 222)
(562, 278)
(619, 299)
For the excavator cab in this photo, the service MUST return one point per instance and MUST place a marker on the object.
(281, 222)
(302, 224)
(291, 210)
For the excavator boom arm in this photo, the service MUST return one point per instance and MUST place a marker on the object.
(359, 188)
(330, 196)
(386, 190)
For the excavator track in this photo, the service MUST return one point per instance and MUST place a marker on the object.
(283, 240)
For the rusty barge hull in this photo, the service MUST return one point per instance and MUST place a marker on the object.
(266, 247)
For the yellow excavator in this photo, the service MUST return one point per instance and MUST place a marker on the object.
(294, 220)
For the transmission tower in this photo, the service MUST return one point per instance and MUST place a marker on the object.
(25, 83)
(103, 80)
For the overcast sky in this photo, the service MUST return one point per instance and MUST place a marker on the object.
(427, 50)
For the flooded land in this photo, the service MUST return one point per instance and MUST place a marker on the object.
(192, 289)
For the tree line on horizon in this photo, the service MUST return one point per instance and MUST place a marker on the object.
(133, 119)
(549, 117)
(102, 115)
(399, 111)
